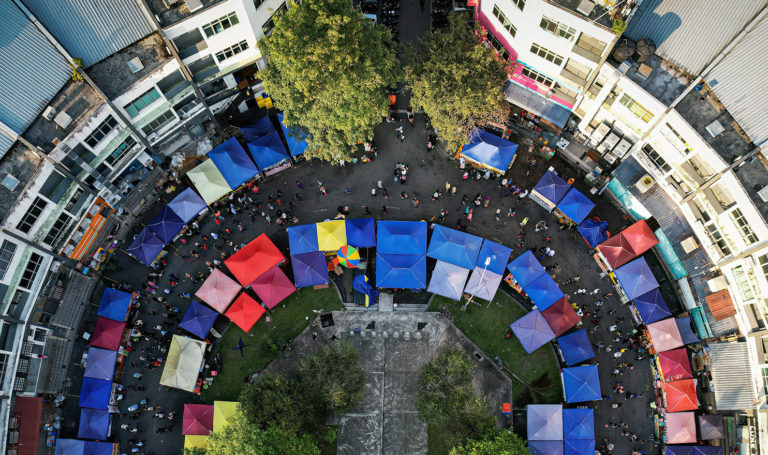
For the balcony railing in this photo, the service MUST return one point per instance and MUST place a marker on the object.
(193, 49)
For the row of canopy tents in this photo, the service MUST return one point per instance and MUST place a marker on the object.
(627, 245)
(65, 446)
(554, 193)
(199, 420)
(552, 430)
(680, 428)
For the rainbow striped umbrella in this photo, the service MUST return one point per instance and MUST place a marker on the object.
(348, 256)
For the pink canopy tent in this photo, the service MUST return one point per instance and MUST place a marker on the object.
(681, 427)
(273, 286)
(665, 335)
(218, 291)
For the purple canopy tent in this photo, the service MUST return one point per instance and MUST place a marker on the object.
(532, 330)
(100, 364)
(544, 422)
(145, 247)
(636, 278)
(198, 319)
(187, 205)
(166, 224)
(652, 306)
(309, 269)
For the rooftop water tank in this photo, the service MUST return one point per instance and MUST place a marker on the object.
(645, 48)
(624, 49)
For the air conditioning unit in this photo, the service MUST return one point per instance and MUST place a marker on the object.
(645, 183)
(62, 119)
(585, 7)
(763, 193)
(48, 113)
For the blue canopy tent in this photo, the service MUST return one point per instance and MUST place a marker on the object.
(693, 450)
(145, 247)
(576, 347)
(233, 163)
(401, 271)
(652, 306)
(636, 278)
(532, 330)
(267, 151)
(545, 447)
(166, 224)
(95, 393)
(100, 364)
(295, 146)
(543, 291)
(579, 423)
(544, 422)
(361, 233)
(187, 205)
(579, 447)
(69, 447)
(498, 253)
(198, 319)
(448, 280)
(115, 304)
(526, 269)
(260, 128)
(454, 247)
(489, 151)
(686, 331)
(363, 285)
(575, 205)
(401, 237)
(302, 239)
(593, 232)
(99, 448)
(549, 190)
(581, 384)
(309, 269)
(94, 424)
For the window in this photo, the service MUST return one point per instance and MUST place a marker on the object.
(270, 23)
(519, 3)
(639, 111)
(57, 229)
(101, 131)
(556, 28)
(230, 51)
(744, 228)
(742, 281)
(6, 255)
(718, 240)
(134, 107)
(120, 151)
(30, 272)
(74, 200)
(537, 76)
(546, 54)
(504, 21)
(654, 156)
(503, 53)
(675, 139)
(164, 119)
(220, 24)
(4, 358)
(33, 213)
(765, 380)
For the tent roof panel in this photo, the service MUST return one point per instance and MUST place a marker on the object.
(309, 269)
(401, 271)
(652, 306)
(579, 423)
(575, 205)
(680, 427)
(183, 362)
(576, 347)
(302, 239)
(94, 424)
(166, 224)
(543, 291)
(581, 384)
(145, 247)
(711, 427)
(665, 335)
(244, 312)
(401, 237)
(218, 290)
(640, 237)
(636, 278)
(267, 150)
(561, 316)
(100, 364)
(208, 181)
(187, 205)
(295, 138)
(552, 187)
(361, 233)
(483, 283)
(455, 247)
(94, 393)
(331, 235)
(532, 331)
(114, 304)
(249, 262)
(594, 232)
(197, 419)
(526, 268)
(198, 319)
(544, 422)
(273, 286)
(675, 364)
(233, 163)
(681, 395)
(107, 334)
(489, 150)
(448, 280)
(498, 253)
(617, 251)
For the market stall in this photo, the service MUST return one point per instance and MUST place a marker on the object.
(331, 235)
(166, 225)
(183, 364)
(532, 331)
(488, 151)
(295, 138)
(95, 393)
(593, 232)
(251, 261)
(401, 237)
(245, 312)
(309, 269)
(581, 384)
(100, 364)
(665, 335)
(549, 190)
(361, 233)
(187, 205)
(233, 163)
(454, 247)
(115, 304)
(197, 419)
(146, 247)
(483, 283)
(498, 255)
(107, 334)
(525, 269)
(198, 319)
(575, 347)
(544, 422)
(302, 239)
(224, 414)
(401, 271)
(651, 306)
(448, 280)
(636, 278)
(218, 290)
(94, 424)
(575, 206)
(561, 316)
(272, 287)
(543, 291)
(208, 181)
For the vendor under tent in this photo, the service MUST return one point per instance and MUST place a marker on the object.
(331, 235)
(579, 423)
(680, 427)
(544, 422)
(115, 304)
(640, 237)
(94, 424)
(94, 393)
(197, 420)
(146, 247)
(686, 331)
(549, 190)
(309, 269)
(224, 413)
(545, 447)
(302, 239)
(579, 447)
(267, 151)
(680, 395)
(100, 364)
(233, 163)
(364, 286)
(561, 316)
(575, 206)
(593, 232)
(208, 181)
(454, 247)
(249, 262)
(195, 441)
(448, 280)
(187, 205)
(489, 151)
(198, 319)
(483, 283)
(245, 312)
(498, 253)
(166, 225)
(401, 237)
(401, 271)
(675, 365)
(616, 251)
(361, 233)
(711, 427)
(576, 347)
(543, 291)
(532, 331)
(651, 306)
(581, 384)
(185, 358)
(273, 286)
(107, 334)
(218, 290)
(636, 278)
(525, 269)
(664, 335)
(294, 138)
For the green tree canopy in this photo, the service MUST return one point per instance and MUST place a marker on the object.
(328, 71)
(503, 443)
(273, 401)
(245, 438)
(332, 377)
(457, 81)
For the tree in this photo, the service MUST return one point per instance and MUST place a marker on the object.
(503, 443)
(273, 401)
(457, 81)
(332, 377)
(245, 438)
(329, 71)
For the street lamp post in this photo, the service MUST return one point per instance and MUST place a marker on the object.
(482, 275)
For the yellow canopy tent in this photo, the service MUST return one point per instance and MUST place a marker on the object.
(331, 235)
(196, 441)
(185, 357)
(208, 181)
(223, 414)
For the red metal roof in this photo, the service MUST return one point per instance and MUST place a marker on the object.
(721, 305)
(29, 412)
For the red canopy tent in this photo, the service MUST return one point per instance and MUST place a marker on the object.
(560, 316)
(198, 419)
(273, 287)
(251, 261)
(640, 237)
(617, 251)
(681, 395)
(218, 290)
(245, 312)
(107, 334)
(675, 364)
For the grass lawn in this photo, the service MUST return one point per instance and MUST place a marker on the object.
(288, 320)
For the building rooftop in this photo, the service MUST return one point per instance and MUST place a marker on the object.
(753, 175)
(658, 77)
(595, 13)
(20, 163)
(170, 12)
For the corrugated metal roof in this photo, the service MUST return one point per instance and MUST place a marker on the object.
(28, 411)
(5, 144)
(740, 84)
(92, 29)
(734, 388)
(690, 33)
(533, 102)
(721, 305)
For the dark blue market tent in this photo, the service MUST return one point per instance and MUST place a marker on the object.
(268, 150)
(448, 280)
(579, 447)
(187, 205)
(114, 304)
(233, 163)
(454, 247)
(401, 237)
(309, 269)
(401, 271)
(100, 364)
(544, 422)
(361, 233)
(145, 247)
(543, 291)
(652, 306)
(302, 239)
(98, 448)
(545, 447)
(576, 347)
(261, 128)
(579, 423)
(575, 205)
(198, 319)
(636, 278)
(526, 268)
(593, 232)
(532, 331)
(551, 187)
(95, 393)
(686, 331)
(693, 450)
(498, 253)
(69, 447)
(581, 384)
(166, 224)
(489, 150)
(94, 424)
(296, 139)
